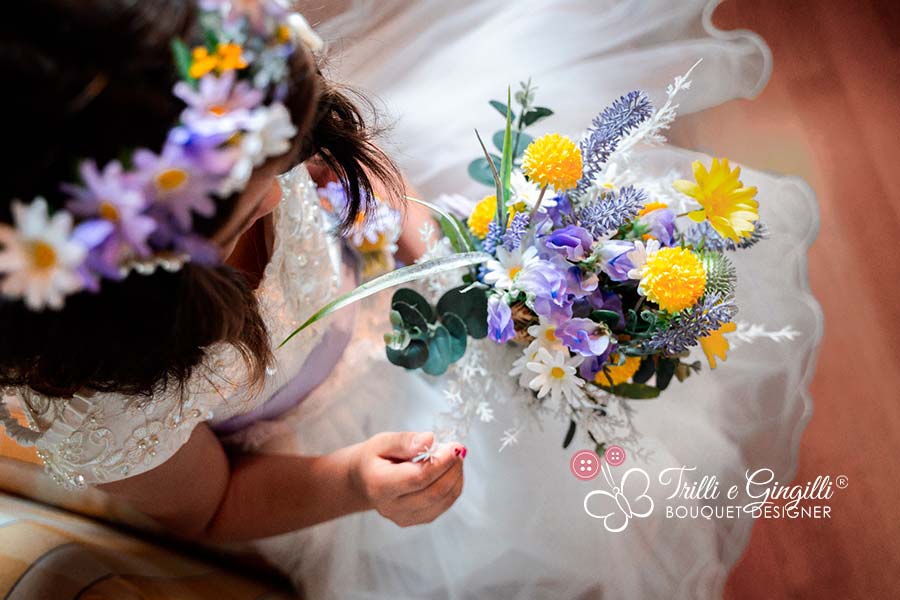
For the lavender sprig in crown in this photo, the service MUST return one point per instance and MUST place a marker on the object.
(138, 216)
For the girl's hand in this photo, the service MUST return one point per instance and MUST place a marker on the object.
(405, 492)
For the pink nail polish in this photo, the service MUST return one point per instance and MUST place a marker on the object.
(464, 451)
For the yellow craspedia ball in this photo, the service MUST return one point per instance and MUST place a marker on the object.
(553, 160)
(482, 215)
(674, 278)
(612, 375)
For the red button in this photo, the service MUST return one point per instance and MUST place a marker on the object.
(585, 465)
(614, 455)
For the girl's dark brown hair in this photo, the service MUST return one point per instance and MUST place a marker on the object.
(89, 78)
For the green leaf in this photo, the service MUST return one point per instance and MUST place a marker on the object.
(412, 357)
(458, 335)
(470, 306)
(535, 114)
(635, 391)
(505, 167)
(183, 59)
(415, 300)
(520, 141)
(480, 170)
(570, 435)
(211, 39)
(413, 320)
(439, 352)
(490, 163)
(501, 108)
(394, 278)
(610, 317)
(450, 225)
(645, 371)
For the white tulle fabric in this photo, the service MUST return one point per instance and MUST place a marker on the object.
(104, 437)
(519, 530)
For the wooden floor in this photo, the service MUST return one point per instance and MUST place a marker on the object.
(831, 113)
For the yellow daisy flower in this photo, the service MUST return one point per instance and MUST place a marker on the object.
(553, 160)
(715, 345)
(673, 278)
(614, 374)
(482, 215)
(725, 202)
(228, 57)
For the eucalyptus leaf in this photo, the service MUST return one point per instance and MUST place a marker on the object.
(413, 320)
(458, 335)
(500, 107)
(635, 391)
(470, 306)
(480, 170)
(535, 114)
(415, 299)
(645, 371)
(412, 357)
(520, 141)
(439, 352)
(394, 278)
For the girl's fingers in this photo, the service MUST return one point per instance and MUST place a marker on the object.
(409, 477)
(425, 506)
(440, 487)
(401, 446)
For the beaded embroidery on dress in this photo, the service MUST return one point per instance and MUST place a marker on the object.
(104, 437)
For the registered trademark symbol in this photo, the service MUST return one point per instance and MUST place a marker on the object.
(842, 481)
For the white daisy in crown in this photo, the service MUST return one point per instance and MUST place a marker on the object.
(39, 258)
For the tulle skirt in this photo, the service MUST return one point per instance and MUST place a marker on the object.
(520, 529)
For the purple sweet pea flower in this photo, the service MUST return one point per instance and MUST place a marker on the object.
(111, 195)
(554, 214)
(662, 225)
(174, 181)
(571, 241)
(218, 105)
(580, 284)
(593, 365)
(547, 283)
(500, 324)
(614, 259)
(583, 336)
(606, 300)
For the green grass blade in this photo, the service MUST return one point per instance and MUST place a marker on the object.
(505, 167)
(398, 277)
(458, 237)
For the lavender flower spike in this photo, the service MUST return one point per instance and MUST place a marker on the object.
(692, 324)
(607, 129)
(612, 210)
(512, 239)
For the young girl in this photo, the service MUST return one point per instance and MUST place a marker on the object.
(144, 341)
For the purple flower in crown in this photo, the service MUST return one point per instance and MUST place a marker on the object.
(572, 242)
(111, 196)
(174, 180)
(614, 259)
(584, 337)
(500, 323)
(546, 283)
(210, 153)
(661, 223)
(219, 105)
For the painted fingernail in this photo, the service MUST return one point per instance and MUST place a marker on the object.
(464, 451)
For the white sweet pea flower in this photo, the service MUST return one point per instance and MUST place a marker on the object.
(556, 375)
(501, 272)
(638, 257)
(39, 259)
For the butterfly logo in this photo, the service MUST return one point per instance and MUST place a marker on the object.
(628, 499)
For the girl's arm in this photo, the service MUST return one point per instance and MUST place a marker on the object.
(199, 494)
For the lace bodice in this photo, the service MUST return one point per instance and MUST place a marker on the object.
(104, 437)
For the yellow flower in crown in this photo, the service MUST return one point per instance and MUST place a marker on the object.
(227, 57)
(612, 375)
(725, 202)
(673, 278)
(553, 160)
(715, 345)
(482, 215)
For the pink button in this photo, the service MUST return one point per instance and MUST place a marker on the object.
(585, 465)
(614, 455)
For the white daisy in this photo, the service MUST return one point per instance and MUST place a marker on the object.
(520, 366)
(39, 259)
(556, 375)
(527, 193)
(501, 272)
(268, 133)
(544, 333)
(638, 257)
(302, 32)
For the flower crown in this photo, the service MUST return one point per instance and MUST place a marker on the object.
(138, 217)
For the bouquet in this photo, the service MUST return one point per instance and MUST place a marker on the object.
(602, 284)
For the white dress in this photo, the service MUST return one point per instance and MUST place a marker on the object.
(520, 529)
